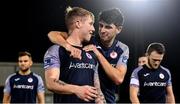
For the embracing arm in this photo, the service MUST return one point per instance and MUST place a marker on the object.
(60, 39)
(115, 73)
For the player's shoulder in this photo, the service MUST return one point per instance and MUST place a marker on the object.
(36, 75)
(135, 72)
(138, 69)
(53, 47)
(165, 69)
(52, 50)
(11, 76)
(121, 45)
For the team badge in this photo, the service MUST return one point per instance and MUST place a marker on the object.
(161, 76)
(113, 55)
(30, 80)
(88, 55)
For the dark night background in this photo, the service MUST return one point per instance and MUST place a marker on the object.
(25, 24)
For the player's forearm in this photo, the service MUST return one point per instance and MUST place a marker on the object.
(58, 38)
(41, 99)
(60, 87)
(6, 99)
(133, 92)
(134, 100)
(100, 97)
(114, 74)
(170, 99)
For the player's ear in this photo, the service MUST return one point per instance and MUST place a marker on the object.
(118, 29)
(31, 62)
(78, 24)
(146, 54)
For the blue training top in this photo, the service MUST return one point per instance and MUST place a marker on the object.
(117, 54)
(23, 88)
(72, 71)
(152, 83)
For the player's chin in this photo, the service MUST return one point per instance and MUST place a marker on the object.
(88, 38)
(156, 67)
(23, 68)
(104, 39)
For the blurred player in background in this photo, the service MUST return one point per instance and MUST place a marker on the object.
(151, 83)
(24, 86)
(142, 60)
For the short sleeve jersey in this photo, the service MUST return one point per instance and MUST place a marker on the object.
(152, 83)
(23, 88)
(72, 71)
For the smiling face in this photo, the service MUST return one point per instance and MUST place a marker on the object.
(108, 32)
(87, 28)
(154, 59)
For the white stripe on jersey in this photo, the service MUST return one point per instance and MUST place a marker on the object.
(134, 81)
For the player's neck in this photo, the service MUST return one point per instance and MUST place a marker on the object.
(74, 39)
(107, 44)
(25, 72)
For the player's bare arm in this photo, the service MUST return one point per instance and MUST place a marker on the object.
(85, 92)
(170, 99)
(6, 98)
(40, 97)
(133, 92)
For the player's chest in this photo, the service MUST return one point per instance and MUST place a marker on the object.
(88, 61)
(112, 56)
(149, 79)
(23, 83)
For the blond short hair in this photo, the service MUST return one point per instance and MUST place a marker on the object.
(76, 12)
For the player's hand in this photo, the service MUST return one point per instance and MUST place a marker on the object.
(74, 52)
(90, 47)
(86, 93)
(93, 48)
(100, 100)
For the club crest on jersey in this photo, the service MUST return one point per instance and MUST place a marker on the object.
(88, 55)
(30, 80)
(161, 76)
(113, 55)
